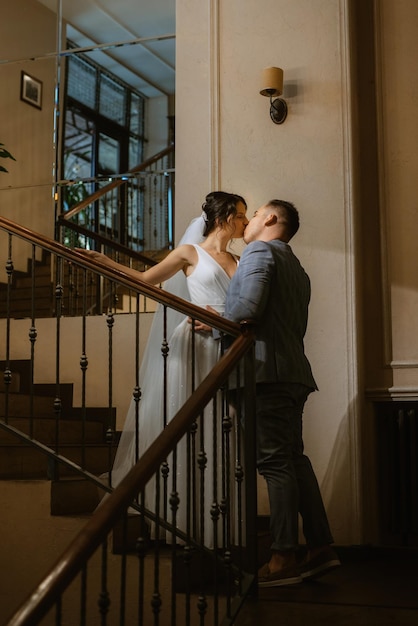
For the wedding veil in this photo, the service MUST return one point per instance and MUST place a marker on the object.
(150, 372)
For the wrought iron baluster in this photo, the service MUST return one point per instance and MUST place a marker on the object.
(239, 470)
(226, 503)
(7, 370)
(58, 612)
(159, 218)
(122, 608)
(165, 471)
(83, 596)
(141, 552)
(104, 596)
(202, 607)
(153, 215)
(84, 365)
(174, 505)
(137, 393)
(32, 339)
(71, 297)
(59, 292)
(166, 205)
(110, 431)
(147, 212)
(94, 292)
(214, 509)
(197, 462)
(156, 600)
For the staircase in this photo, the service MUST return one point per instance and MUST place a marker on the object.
(37, 284)
(82, 441)
(78, 435)
(21, 300)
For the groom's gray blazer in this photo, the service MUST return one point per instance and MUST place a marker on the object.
(271, 287)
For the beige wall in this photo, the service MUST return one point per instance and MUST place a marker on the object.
(353, 185)
(27, 30)
(398, 53)
(156, 125)
(225, 139)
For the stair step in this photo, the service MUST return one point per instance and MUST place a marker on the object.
(44, 430)
(70, 494)
(42, 280)
(20, 383)
(73, 496)
(21, 309)
(126, 533)
(19, 405)
(26, 462)
(47, 389)
(24, 292)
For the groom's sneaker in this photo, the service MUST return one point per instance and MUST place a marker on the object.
(322, 563)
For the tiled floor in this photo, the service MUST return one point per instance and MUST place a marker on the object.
(373, 587)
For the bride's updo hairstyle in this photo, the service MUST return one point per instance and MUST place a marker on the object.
(218, 206)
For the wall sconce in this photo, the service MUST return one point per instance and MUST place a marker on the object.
(272, 85)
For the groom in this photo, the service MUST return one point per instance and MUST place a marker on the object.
(271, 288)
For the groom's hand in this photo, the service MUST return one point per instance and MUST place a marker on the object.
(201, 327)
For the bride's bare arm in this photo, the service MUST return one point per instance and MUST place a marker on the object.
(179, 259)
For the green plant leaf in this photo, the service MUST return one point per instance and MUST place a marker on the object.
(5, 154)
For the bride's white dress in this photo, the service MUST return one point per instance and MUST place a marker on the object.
(188, 362)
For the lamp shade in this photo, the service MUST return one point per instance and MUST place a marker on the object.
(272, 81)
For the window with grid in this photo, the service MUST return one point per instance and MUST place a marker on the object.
(103, 136)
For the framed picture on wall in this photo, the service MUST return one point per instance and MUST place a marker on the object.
(31, 90)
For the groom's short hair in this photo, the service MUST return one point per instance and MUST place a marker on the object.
(289, 213)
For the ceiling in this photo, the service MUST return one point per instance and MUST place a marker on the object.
(143, 29)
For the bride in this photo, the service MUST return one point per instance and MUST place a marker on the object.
(203, 262)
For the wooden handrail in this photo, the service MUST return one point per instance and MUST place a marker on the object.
(110, 243)
(40, 601)
(116, 183)
(156, 293)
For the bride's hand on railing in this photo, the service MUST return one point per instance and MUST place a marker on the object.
(119, 267)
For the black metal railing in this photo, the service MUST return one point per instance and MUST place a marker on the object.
(134, 209)
(140, 559)
(33, 293)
